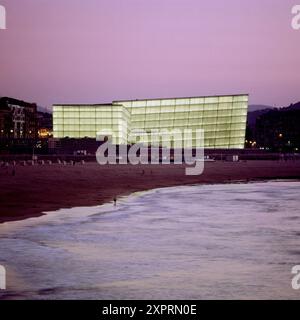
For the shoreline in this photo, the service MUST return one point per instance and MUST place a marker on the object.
(89, 229)
(39, 189)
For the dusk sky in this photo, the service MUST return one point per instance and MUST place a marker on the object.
(93, 51)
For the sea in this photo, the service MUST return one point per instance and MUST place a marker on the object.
(218, 241)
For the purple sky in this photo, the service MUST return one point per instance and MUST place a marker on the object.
(76, 51)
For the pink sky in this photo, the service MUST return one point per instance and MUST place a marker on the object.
(91, 51)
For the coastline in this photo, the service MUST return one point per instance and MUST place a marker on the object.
(83, 235)
(39, 189)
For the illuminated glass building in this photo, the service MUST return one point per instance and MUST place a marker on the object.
(223, 118)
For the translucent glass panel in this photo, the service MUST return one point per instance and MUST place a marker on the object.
(167, 102)
(86, 121)
(151, 103)
(208, 100)
(222, 117)
(242, 98)
(197, 101)
(225, 99)
(179, 102)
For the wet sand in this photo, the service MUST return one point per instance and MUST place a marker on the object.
(41, 188)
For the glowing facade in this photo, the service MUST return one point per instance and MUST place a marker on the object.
(223, 118)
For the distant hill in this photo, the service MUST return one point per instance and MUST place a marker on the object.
(256, 111)
(255, 107)
(265, 123)
(295, 106)
(278, 129)
(42, 109)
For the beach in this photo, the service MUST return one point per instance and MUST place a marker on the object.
(30, 191)
(209, 241)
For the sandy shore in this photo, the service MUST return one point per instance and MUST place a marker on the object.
(34, 190)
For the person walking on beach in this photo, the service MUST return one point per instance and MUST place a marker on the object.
(115, 201)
